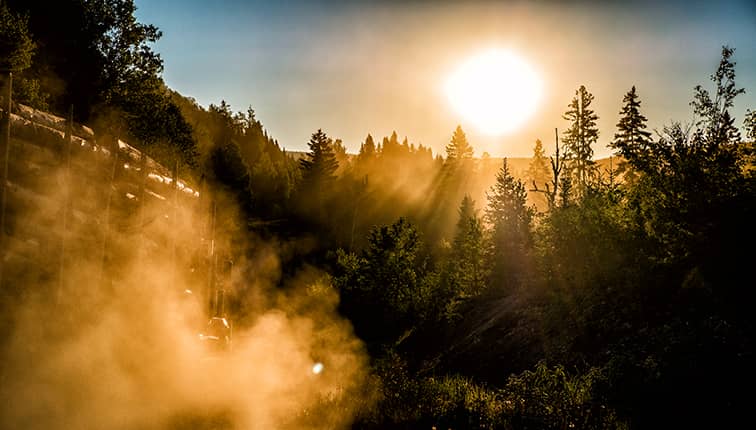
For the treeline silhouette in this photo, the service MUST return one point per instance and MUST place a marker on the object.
(565, 295)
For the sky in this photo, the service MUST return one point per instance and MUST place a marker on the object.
(353, 68)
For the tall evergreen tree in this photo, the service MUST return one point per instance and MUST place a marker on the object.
(579, 138)
(538, 173)
(538, 169)
(465, 266)
(565, 191)
(319, 166)
(509, 219)
(367, 149)
(406, 146)
(340, 152)
(315, 194)
(456, 174)
(458, 148)
(391, 146)
(466, 212)
(631, 140)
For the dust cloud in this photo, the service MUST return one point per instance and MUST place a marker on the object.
(107, 286)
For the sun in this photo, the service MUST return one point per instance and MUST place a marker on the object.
(496, 91)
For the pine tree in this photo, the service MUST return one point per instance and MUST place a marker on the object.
(315, 194)
(456, 173)
(367, 149)
(458, 148)
(391, 146)
(340, 152)
(565, 191)
(465, 265)
(579, 138)
(458, 161)
(538, 169)
(510, 220)
(632, 140)
(538, 172)
(466, 212)
(320, 164)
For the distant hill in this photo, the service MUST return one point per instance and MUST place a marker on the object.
(517, 165)
(300, 154)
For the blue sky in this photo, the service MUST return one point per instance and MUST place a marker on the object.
(374, 67)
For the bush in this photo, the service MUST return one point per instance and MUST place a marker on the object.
(543, 398)
(550, 398)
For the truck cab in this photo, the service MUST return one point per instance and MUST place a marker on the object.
(217, 334)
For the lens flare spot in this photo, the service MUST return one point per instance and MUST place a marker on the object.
(317, 368)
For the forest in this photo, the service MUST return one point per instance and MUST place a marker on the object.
(556, 292)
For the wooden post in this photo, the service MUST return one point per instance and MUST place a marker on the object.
(5, 154)
(142, 198)
(212, 257)
(174, 223)
(66, 203)
(114, 151)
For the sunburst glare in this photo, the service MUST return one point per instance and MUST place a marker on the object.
(496, 91)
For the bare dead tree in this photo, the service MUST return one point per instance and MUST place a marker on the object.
(557, 164)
